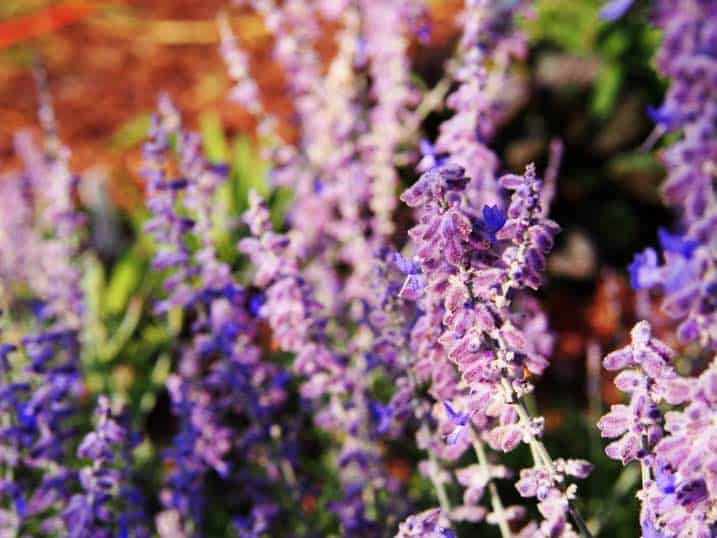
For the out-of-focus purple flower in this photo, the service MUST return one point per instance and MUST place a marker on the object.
(661, 116)
(615, 9)
(687, 58)
(110, 504)
(335, 385)
(426, 525)
(676, 243)
(245, 90)
(459, 420)
(221, 383)
(387, 27)
(258, 521)
(644, 270)
(430, 158)
(382, 415)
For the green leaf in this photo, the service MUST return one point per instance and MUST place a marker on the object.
(607, 89)
(214, 141)
(130, 133)
(125, 279)
(571, 25)
(93, 285)
(250, 172)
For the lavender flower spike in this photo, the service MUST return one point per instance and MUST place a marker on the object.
(424, 525)
(109, 505)
(480, 265)
(688, 274)
(647, 374)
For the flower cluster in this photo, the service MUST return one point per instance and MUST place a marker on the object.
(648, 375)
(221, 377)
(425, 524)
(430, 349)
(477, 262)
(678, 488)
(106, 482)
(688, 274)
(670, 417)
(337, 386)
(41, 379)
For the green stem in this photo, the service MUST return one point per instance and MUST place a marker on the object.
(443, 500)
(495, 499)
(541, 451)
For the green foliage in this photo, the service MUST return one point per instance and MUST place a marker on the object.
(624, 49)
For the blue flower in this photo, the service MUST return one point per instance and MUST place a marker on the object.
(175, 184)
(382, 415)
(407, 267)
(5, 350)
(430, 158)
(460, 420)
(25, 416)
(676, 243)
(661, 115)
(644, 271)
(615, 9)
(38, 310)
(256, 301)
(280, 379)
(494, 220)
(664, 479)
(19, 501)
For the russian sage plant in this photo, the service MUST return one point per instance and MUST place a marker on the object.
(390, 314)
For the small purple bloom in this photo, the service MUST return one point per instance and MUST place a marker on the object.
(406, 266)
(676, 243)
(644, 270)
(382, 415)
(494, 218)
(649, 530)
(460, 420)
(661, 115)
(664, 479)
(430, 158)
(692, 492)
(615, 9)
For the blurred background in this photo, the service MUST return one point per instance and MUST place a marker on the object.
(589, 83)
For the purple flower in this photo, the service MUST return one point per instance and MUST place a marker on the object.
(664, 478)
(425, 525)
(494, 219)
(382, 415)
(644, 270)
(109, 504)
(676, 243)
(459, 420)
(245, 91)
(222, 393)
(430, 159)
(689, 109)
(661, 116)
(615, 9)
